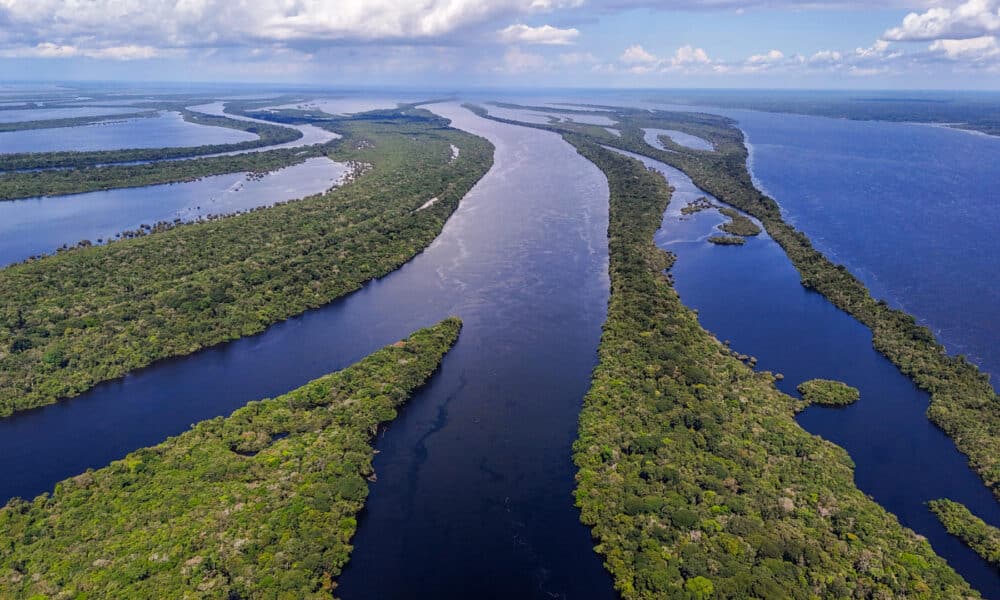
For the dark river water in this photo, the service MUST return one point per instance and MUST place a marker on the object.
(910, 209)
(475, 479)
(902, 459)
(34, 226)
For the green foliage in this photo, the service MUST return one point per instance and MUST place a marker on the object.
(260, 504)
(694, 475)
(738, 224)
(107, 310)
(973, 531)
(726, 240)
(963, 403)
(29, 184)
(828, 392)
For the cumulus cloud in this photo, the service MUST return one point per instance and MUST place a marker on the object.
(689, 55)
(971, 19)
(769, 57)
(221, 23)
(637, 55)
(546, 34)
(976, 49)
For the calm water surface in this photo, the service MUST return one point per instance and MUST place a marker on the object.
(44, 114)
(903, 206)
(310, 133)
(475, 479)
(902, 460)
(36, 226)
(168, 129)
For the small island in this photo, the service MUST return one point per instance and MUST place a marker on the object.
(727, 240)
(828, 393)
(738, 224)
(697, 205)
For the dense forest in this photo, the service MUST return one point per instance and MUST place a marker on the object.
(54, 182)
(828, 393)
(696, 479)
(973, 531)
(963, 403)
(260, 504)
(92, 314)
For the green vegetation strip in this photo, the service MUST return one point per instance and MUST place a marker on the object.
(738, 224)
(828, 393)
(72, 320)
(72, 121)
(260, 504)
(963, 403)
(30, 184)
(973, 531)
(268, 135)
(696, 479)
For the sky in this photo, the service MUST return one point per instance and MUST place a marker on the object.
(855, 44)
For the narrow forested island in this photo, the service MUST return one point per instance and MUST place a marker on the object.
(973, 531)
(72, 320)
(259, 504)
(693, 473)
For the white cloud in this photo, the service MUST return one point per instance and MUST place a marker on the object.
(51, 50)
(637, 55)
(221, 23)
(972, 49)
(689, 55)
(971, 19)
(770, 57)
(546, 34)
(826, 56)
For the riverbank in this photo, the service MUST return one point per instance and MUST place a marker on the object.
(73, 320)
(261, 503)
(693, 472)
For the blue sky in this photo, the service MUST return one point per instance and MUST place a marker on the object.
(457, 43)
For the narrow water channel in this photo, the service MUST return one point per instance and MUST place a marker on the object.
(475, 479)
(751, 295)
(34, 226)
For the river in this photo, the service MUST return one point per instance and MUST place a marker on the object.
(475, 479)
(166, 130)
(900, 456)
(35, 226)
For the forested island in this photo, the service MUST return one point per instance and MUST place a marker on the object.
(268, 135)
(962, 400)
(92, 314)
(973, 531)
(15, 185)
(259, 504)
(693, 473)
(828, 393)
